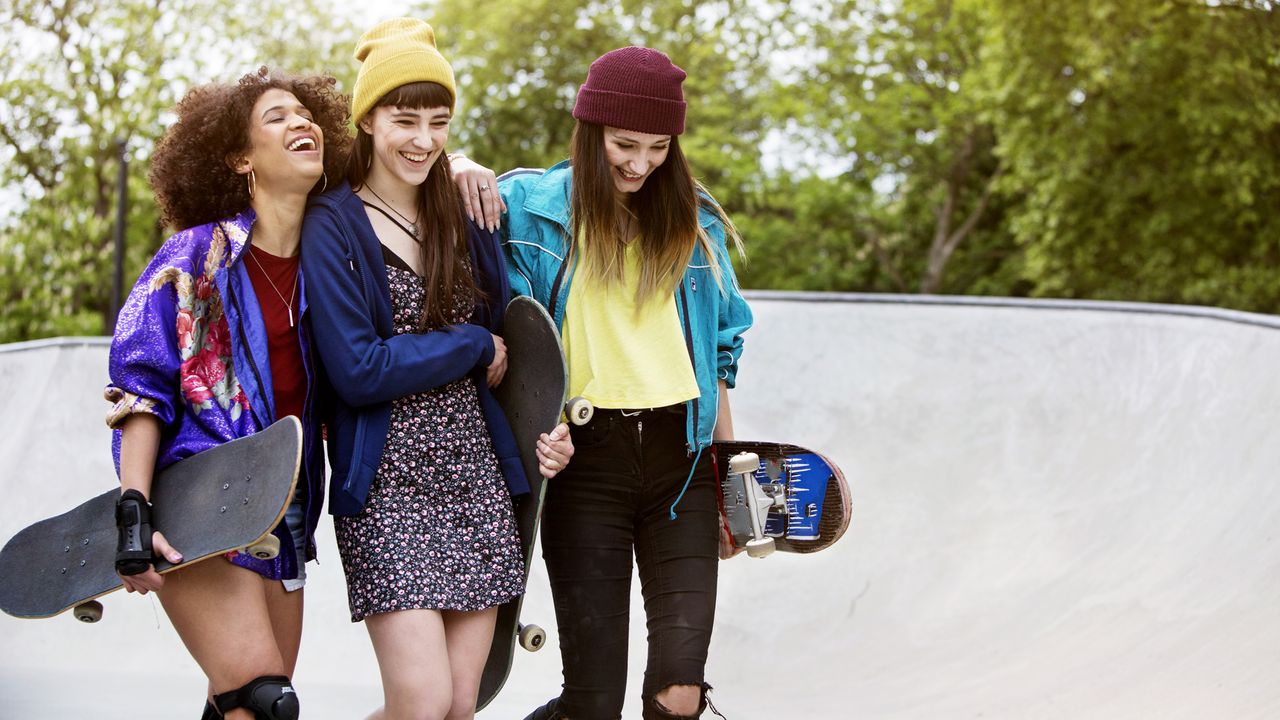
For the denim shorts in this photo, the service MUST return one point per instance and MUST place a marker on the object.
(296, 519)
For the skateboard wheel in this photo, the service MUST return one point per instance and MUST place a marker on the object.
(744, 463)
(90, 612)
(763, 547)
(265, 549)
(579, 410)
(532, 637)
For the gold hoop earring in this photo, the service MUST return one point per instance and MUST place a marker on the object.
(253, 183)
(325, 177)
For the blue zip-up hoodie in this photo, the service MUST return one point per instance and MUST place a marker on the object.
(536, 236)
(367, 365)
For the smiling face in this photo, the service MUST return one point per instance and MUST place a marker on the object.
(406, 141)
(286, 149)
(633, 156)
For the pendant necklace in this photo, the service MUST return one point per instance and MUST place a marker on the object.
(413, 224)
(287, 303)
(411, 232)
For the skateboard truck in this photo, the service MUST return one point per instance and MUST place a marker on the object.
(759, 502)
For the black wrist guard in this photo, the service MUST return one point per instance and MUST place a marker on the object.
(133, 545)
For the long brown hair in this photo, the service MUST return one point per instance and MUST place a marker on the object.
(443, 247)
(666, 211)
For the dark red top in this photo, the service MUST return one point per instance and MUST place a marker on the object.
(288, 378)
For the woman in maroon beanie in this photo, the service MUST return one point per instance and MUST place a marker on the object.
(629, 255)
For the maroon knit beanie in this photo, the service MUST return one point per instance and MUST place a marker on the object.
(633, 88)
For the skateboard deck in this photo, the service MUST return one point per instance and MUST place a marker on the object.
(224, 499)
(776, 496)
(532, 394)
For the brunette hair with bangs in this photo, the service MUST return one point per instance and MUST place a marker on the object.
(443, 247)
(189, 174)
(666, 211)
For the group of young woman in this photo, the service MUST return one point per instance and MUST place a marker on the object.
(341, 280)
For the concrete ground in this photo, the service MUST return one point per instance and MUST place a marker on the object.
(1062, 510)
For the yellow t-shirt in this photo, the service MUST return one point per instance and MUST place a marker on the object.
(621, 358)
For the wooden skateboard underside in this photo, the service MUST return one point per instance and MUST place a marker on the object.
(812, 506)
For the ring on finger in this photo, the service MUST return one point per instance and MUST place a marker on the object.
(484, 188)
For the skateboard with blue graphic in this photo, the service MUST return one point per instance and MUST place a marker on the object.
(775, 496)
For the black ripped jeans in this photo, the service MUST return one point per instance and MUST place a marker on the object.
(614, 499)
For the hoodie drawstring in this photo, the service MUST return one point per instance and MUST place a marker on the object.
(686, 483)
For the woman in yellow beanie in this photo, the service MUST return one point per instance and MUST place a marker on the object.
(405, 295)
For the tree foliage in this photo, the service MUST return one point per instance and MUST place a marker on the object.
(886, 96)
(519, 64)
(83, 75)
(1142, 141)
(1099, 149)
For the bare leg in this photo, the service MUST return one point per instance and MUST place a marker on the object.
(469, 636)
(221, 613)
(286, 621)
(680, 699)
(414, 663)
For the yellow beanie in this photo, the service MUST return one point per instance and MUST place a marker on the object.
(394, 53)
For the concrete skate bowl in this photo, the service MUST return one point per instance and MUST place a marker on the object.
(1062, 510)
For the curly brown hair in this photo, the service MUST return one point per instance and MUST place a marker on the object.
(189, 173)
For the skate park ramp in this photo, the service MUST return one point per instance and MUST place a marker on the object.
(1061, 510)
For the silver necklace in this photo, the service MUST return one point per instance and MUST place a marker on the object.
(287, 303)
(413, 224)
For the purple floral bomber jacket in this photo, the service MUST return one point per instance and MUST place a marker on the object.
(190, 348)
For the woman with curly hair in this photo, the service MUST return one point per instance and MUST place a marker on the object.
(210, 346)
(407, 296)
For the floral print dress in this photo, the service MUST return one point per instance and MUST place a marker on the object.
(437, 530)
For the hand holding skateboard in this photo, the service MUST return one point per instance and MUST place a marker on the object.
(149, 580)
(226, 499)
(554, 451)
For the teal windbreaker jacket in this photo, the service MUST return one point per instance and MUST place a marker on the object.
(535, 239)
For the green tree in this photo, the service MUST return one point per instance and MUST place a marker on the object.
(82, 74)
(1104, 149)
(887, 96)
(1142, 143)
(519, 64)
